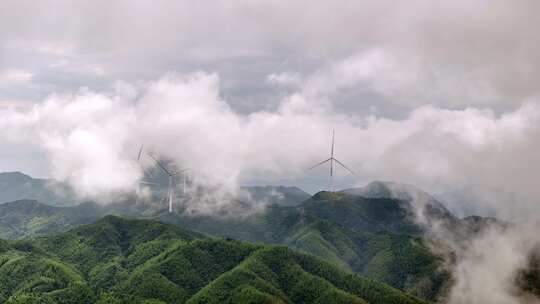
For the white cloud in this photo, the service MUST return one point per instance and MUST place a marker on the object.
(11, 77)
(487, 270)
(479, 52)
(284, 79)
(89, 136)
(55, 48)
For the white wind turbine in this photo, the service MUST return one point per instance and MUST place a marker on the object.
(331, 160)
(170, 175)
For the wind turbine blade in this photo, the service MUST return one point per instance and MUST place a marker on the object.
(160, 165)
(170, 194)
(140, 153)
(324, 161)
(184, 184)
(344, 166)
(332, 151)
(176, 172)
(331, 167)
(147, 183)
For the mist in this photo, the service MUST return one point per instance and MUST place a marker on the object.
(91, 140)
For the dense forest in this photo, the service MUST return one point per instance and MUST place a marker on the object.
(118, 260)
(371, 233)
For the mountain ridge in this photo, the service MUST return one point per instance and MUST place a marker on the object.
(378, 235)
(117, 260)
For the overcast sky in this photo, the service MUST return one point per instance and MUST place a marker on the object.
(443, 95)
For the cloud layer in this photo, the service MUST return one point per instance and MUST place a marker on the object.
(91, 139)
(478, 53)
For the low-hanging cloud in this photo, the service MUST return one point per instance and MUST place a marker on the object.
(487, 268)
(91, 139)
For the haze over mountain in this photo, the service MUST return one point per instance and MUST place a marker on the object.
(16, 186)
(374, 231)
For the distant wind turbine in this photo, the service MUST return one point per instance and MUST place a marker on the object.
(331, 160)
(171, 175)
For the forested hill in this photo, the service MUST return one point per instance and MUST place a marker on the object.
(140, 261)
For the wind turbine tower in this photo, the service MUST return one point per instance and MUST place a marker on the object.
(170, 175)
(332, 159)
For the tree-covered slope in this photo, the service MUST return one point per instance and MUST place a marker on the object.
(351, 232)
(402, 261)
(362, 213)
(375, 237)
(140, 261)
(25, 218)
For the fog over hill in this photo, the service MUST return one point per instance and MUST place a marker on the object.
(17, 186)
(377, 230)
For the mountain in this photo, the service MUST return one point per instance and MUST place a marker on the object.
(399, 191)
(374, 254)
(380, 231)
(280, 195)
(139, 261)
(17, 186)
(24, 218)
(357, 234)
(375, 237)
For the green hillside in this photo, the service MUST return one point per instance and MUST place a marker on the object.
(25, 218)
(374, 237)
(354, 233)
(401, 261)
(140, 261)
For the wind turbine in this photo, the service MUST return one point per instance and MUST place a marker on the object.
(170, 175)
(332, 160)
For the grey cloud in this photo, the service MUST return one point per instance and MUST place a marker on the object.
(451, 54)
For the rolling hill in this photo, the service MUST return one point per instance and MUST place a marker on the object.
(140, 261)
(25, 218)
(375, 237)
(18, 186)
(372, 231)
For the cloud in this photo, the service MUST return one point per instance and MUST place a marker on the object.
(15, 77)
(83, 136)
(487, 270)
(91, 139)
(284, 79)
(465, 53)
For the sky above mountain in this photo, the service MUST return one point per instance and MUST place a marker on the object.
(442, 95)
